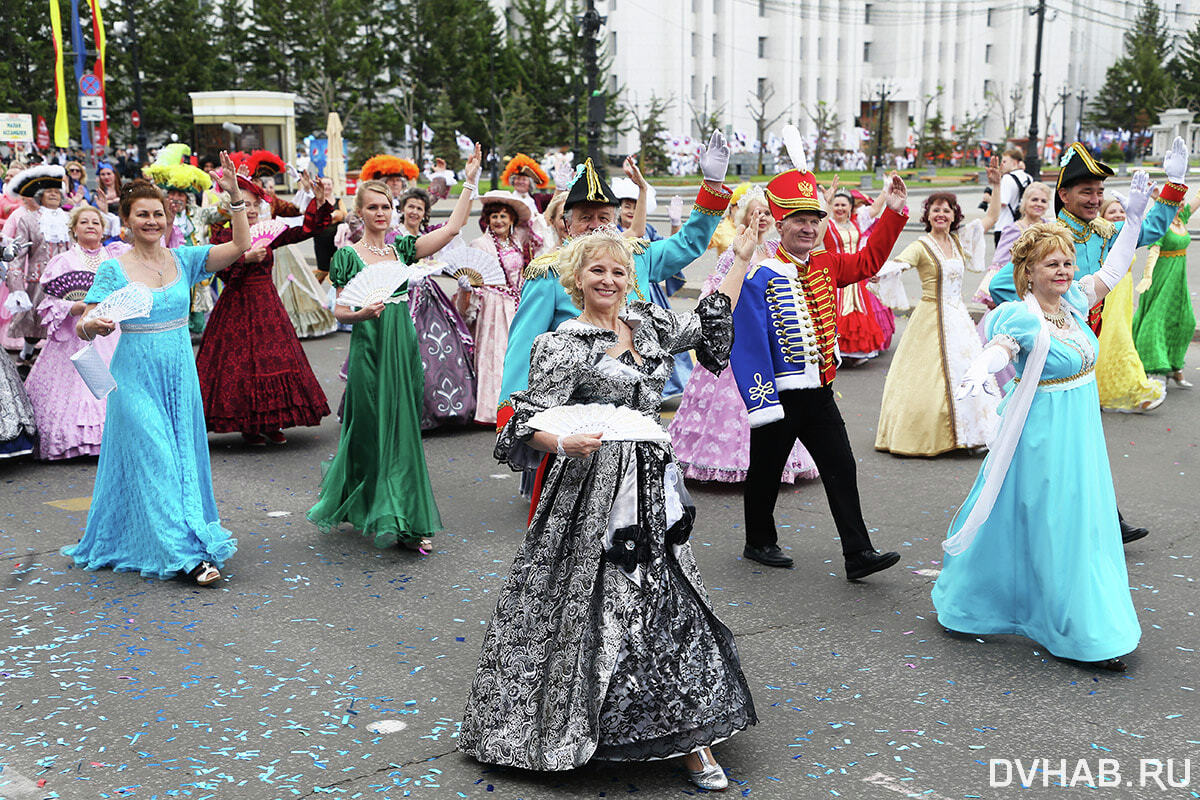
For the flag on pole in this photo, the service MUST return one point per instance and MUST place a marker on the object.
(101, 46)
(62, 132)
(426, 133)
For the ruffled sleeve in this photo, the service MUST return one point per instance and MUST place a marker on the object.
(406, 248)
(1013, 324)
(53, 312)
(555, 363)
(971, 240)
(193, 262)
(709, 330)
(344, 266)
(109, 278)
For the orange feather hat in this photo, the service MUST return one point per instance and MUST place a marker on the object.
(381, 166)
(521, 164)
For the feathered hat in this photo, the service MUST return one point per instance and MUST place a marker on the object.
(796, 189)
(264, 164)
(239, 160)
(1078, 165)
(171, 171)
(521, 164)
(382, 167)
(31, 180)
(589, 187)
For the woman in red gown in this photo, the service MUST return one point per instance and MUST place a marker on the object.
(254, 375)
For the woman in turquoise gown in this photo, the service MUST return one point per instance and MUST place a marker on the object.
(1036, 548)
(378, 481)
(153, 509)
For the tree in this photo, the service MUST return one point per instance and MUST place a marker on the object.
(936, 143)
(517, 127)
(1186, 68)
(757, 106)
(1136, 85)
(443, 121)
(1007, 105)
(652, 156)
(967, 130)
(826, 122)
(705, 120)
(926, 102)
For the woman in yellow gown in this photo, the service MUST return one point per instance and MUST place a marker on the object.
(1120, 376)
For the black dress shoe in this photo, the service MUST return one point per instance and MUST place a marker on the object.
(864, 562)
(770, 555)
(1132, 534)
(1111, 664)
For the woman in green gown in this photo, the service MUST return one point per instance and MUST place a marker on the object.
(1164, 321)
(378, 481)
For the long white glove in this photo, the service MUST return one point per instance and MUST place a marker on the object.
(993, 359)
(675, 211)
(1120, 255)
(1175, 164)
(714, 159)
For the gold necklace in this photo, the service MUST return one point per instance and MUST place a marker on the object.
(1058, 319)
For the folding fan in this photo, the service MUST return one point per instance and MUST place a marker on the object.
(615, 423)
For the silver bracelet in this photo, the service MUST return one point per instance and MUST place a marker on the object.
(561, 451)
(471, 187)
(86, 338)
(239, 206)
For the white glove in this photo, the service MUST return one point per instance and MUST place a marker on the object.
(1138, 200)
(993, 359)
(17, 302)
(675, 211)
(464, 283)
(564, 173)
(714, 159)
(1120, 254)
(1175, 164)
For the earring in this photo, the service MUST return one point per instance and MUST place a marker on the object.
(1029, 287)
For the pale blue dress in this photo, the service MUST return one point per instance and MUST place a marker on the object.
(153, 509)
(1048, 561)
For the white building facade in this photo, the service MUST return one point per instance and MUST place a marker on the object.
(972, 57)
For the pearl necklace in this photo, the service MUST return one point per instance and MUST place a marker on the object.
(379, 251)
(1057, 319)
(92, 262)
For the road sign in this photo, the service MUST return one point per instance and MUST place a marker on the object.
(91, 114)
(86, 101)
(16, 127)
(136, 119)
(89, 85)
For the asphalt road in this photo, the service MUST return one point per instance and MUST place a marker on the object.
(115, 686)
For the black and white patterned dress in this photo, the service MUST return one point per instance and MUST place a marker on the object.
(604, 643)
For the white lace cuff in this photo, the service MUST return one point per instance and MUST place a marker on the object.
(1008, 343)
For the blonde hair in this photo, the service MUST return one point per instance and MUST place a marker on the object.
(79, 211)
(580, 251)
(1035, 185)
(1038, 241)
(753, 194)
(371, 186)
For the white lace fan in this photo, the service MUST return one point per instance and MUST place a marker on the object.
(378, 282)
(262, 233)
(129, 302)
(478, 267)
(616, 423)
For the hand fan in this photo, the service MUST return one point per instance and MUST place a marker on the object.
(378, 282)
(262, 233)
(477, 266)
(129, 302)
(71, 286)
(616, 423)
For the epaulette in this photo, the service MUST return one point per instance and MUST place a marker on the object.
(541, 266)
(816, 251)
(639, 246)
(1103, 228)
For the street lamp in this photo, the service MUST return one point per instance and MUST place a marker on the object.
(1135, 91)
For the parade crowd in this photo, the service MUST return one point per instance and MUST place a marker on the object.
(559, 333)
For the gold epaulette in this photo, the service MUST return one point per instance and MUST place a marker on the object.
(816, 251)
(639, 245)
(1103, 228)
(542, 266)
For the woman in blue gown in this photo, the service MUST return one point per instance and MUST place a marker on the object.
(1036, 548)
(153, 509)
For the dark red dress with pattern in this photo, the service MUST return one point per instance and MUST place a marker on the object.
(254, 375)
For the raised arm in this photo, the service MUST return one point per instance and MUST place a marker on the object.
(1120, 255)
(993, 210)
(638, 228)
(869, 260)
(435, 240)
(222, 255)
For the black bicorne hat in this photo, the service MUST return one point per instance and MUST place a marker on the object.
(1079, 166)
(589, 187)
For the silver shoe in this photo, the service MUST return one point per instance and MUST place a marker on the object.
(710, 777)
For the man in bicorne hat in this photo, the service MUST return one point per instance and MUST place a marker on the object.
(785, 357)
(591, 204)
(1077, 200)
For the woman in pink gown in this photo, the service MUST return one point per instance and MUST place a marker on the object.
(490, 308)
(70, 419)
(710, 431)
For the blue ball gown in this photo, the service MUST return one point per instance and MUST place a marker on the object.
(153, 509)
(1048, 562)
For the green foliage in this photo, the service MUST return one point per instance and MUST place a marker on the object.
(937, 146)
(652, 156)
(517, 127)
(1136, 86)
(1186, 68)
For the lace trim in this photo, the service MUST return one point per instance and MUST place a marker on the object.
(153, 327)
(1008, 343)
(1070, 382)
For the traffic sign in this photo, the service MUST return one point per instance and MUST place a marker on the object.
(136, 119)
(90, 102)
(91, 114)
(89, 85)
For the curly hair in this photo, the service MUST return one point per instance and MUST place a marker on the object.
(579, 251)
(1037, 242)
(950, 199)
(78, 212)
(140, 189)
(416, 193)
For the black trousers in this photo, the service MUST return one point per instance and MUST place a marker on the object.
(812, 416)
